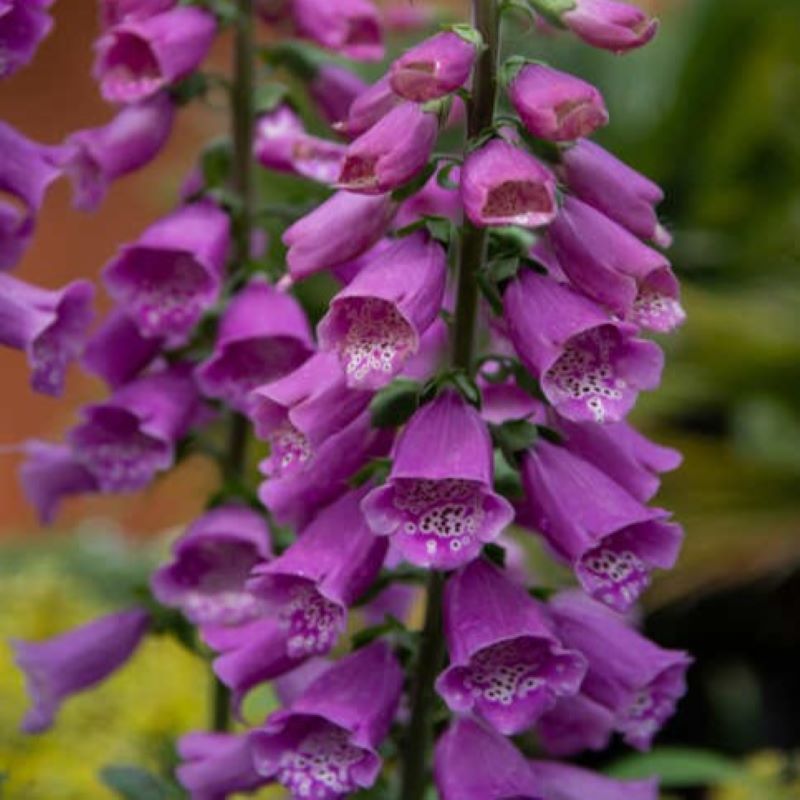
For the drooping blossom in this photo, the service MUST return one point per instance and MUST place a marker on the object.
(26, 170)
(57, 668)
(432, 200)
(324, 745)
(126, 440)
(611, 541)
(23, 26)
(610, 24)
(113, 12)
(137, 58)
(334, 88)
(338, 230)
(48, 325)
(262, 336)
(95, 157)
(608, 263)
(591, 367)
(555, 105)
(434, 68)
(374, 323)
(310, 586)
(349, 27)
(210, 565)
(391, 152)
(173, 272)
(369, 107)
(506, 665)
(558, 781)
(400, 16)
(503, 185)
(438, 504)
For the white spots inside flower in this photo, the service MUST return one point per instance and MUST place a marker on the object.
(313, 622)
(358, 172)
(446, 513)
(616, 578)
(656, 310)
(290, 449)
(376, 343)
(320, 766)
(646, 714)
(127, 462)
(505, 672)
(585, 372)
(50, 356)
(523, 202)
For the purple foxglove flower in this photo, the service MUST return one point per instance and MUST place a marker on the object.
(639, 682)
(576, 723)
(173, 273)
(298, 412)
(608, 263)
(555, 105)
(610, 24)
(565, 782)
(114, 12)
(127, 439)
(472, 762)
(340, 229)
(349, 27)
(433, 349)
(400, 16)
(262, 336)
(48, 325)
(611, 186)
(57, 668)
(503, 185)
(434, 68)
(590, 367)
(395, 601)
(610, 539)
(95, 157)
(432, 200)
(622, 453)
(325, 744)
(49, 473)
(139, 57)
(506, 665)
(391, 152)
(334, 89)
(506, 401)
(311, 585)
(290, 686)
(438, 504)
(26, 170)
(282, 144)
(294, 497)
(210, 566)
(374, 324)
(23, 26)
(372, 105)
(216, 765)
(117, 352)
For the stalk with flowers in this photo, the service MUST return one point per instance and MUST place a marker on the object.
(470, 376)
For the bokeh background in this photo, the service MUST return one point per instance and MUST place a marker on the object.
(711, 110)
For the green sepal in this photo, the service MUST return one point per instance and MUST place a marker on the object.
(467, 33)
(514, 436)
(189, 89)
(301, 60)
(411, 187)
(394, 405)
(268, 96)
(510, 68)
(552, 10)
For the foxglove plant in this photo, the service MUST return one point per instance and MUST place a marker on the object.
(472, 371)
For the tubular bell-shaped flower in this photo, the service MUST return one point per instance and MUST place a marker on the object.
(439, 505)
(113, 12)
(23, 26)
(608, 263)
(433, 200)
(210, 565)
(374, 103)
(434, 68)
(576, 723)
(506, 665)
(590, 366)
(349, 27)
(333, 89)
(555, 105)
(310, 586)
(610, 24)
(639, 682)
(472, 762)
(503, 185)
(325, 744)
(173, 273)
(340, 229)
(26, 170)
(93, 158)
(139, 57)
(610, 539)
(48, 325)
(127, 439)
(391, 152)
(556, 781)
(57, 668)
(262, 336)
(375, 323)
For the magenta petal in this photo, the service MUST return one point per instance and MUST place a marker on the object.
(349, 27)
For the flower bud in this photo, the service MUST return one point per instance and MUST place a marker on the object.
(610, 24)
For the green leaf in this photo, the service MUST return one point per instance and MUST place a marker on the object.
(678, 767)
(134, 783)
(393, 405)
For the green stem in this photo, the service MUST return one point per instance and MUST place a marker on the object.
(415, 771)
(243, 120)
